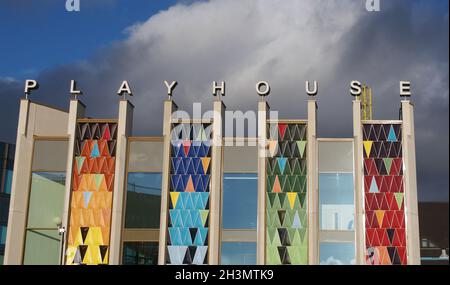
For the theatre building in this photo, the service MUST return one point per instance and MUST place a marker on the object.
(87, 191)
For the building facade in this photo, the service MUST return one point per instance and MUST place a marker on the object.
(6, 170)
(86, 191)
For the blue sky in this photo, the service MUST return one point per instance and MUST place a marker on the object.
(43, 34)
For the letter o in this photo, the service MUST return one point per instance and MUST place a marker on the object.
(266, 90)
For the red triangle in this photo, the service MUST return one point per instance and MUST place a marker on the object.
(398, 183)
(384, 186)
(369, 219)
(384, 239)
(376, 239)
(373, 168)
(379, 198)
(387, 220)
(390, 198)
(402, 236)
(396, 240)
(398, 165)
(186, 147)
(402, 254)
(394, 187)
(370, 233)
(367, 181)
(369, 202)
(379, 180)
(401, 219)
(282, 128)
(106, 133)
(375, 224)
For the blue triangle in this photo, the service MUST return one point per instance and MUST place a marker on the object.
(87, 197)
(392, 137)
(196, 219)
(188, 204)
(95, 152)
(175, 238)
(205, 197)
(373, 186)
(186, 236)
(282, 163)
(187, 220)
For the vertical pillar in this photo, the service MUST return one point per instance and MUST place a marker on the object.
(313, 191)
(216, 183)
(15, 236)
(359, 186)
(76, 110)
(263, 111)
(124, 130)
(410, 184)
(169, 108)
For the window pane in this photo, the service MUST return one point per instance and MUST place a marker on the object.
(240, 197)
(143, 200)
(238, 253)
(140, 253)
(50, 155)
(336, 203)
(46, 199)
(146, 156)
(42, 247)
(337, 253)
(335, 156)
(8, 180)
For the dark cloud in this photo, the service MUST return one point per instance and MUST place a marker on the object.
(284, 43)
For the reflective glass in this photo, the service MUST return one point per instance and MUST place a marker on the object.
(140, 253)
(336, 202)
(143, 200)
(333, 253)
(240, 198)
(238, 253)
(46, 199)
(42, 247)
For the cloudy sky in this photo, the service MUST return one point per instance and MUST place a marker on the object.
(195, 42)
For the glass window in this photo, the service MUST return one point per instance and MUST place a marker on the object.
(2, 235)
(140, 253)
(42, 241)
(143, 200)
(42, 247)
(50, 155)
(46, 199)
(336, 203)
(333, 253)
(240, 198)
(145, 156)
(238, 253)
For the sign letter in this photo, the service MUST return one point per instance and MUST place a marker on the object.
(405, 88)
(355, 88)
(124, 88)
(220, 88)
(263, 91)
(309, 91)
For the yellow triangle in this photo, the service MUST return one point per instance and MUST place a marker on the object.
(291, 197)
(205, 163)
(174, 197)
(368, 147)
(380, 215)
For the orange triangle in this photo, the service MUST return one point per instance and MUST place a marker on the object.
(276, 185)
(380, 215)
(190, 186)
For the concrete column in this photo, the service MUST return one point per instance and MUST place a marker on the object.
(263, 111)
(313, 190)
(410, 184)
(76, 110)
(359, 184)
(215, 210)
(124, 130)
(15, 236)
(169, 108)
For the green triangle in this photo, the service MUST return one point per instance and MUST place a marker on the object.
(388, 164)
(271, 233)
(80, 161)
(276, 204)
(297, 169)
(204, 216)
(98, 180)
(301, 147)
(399, 199)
